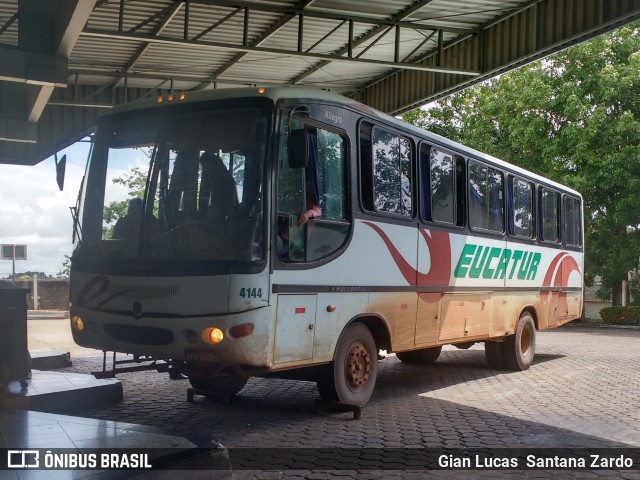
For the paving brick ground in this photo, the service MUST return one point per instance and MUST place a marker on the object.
(583, 391)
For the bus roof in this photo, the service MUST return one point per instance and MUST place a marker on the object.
(323, 96)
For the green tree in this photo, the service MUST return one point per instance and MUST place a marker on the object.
(135, 181)
(573, 117)
(65, 271)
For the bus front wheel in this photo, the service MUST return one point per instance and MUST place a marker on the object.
(351, 377)
(519, 348)
(220, 386)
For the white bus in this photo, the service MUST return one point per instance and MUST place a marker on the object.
(290, 231)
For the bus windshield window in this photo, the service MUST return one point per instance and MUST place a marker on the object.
(183, 186)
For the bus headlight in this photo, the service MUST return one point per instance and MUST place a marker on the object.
(77, 324)
(212, 335)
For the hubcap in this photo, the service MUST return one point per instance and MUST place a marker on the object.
(525, 342)
(358, 366)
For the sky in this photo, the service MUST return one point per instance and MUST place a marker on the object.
(34, 212)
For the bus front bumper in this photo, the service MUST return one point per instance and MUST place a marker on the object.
(243, 338)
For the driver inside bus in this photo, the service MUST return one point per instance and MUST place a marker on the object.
(218, 193)
(313, 210)
(128, 226)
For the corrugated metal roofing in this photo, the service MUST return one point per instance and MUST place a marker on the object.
(381, 52)
(217, 26)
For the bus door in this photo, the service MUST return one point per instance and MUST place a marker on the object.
(312, 223)
(295, 328)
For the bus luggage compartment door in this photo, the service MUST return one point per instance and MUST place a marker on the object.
(465, 315)
(295, 329)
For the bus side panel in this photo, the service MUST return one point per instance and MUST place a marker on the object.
(399, 310)
(334, 311)
(566, 305)
(507, 307)
(384, 255)
(247, 292)
(428, 322)
(465, 316)
(365, 279)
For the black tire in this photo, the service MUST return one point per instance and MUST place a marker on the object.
(494, 352)
(219, 387)
(520, 348)
(424, 356)
(406, 357)
(351, 377)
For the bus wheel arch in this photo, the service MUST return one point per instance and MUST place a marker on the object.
(351, 377)
(532, 311)
(378, 328)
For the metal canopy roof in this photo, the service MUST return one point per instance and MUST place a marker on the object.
(65, 61)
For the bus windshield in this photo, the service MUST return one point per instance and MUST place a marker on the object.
(186, 185)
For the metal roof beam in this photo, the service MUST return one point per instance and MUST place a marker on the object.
(160, 76)
(218, 23)
(288, 11)
(69, 20)
(170, 13)
(407, 12)
(263, 38)
(520, 35)
(31, 67)
(106, 34)
(8, 23)
(47, 33)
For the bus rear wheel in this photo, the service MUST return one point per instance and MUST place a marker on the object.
(519, 348)
(424, 356)
(494, 352)
(351, 377)
(220, 386)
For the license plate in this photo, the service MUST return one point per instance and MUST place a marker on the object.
(204, 356)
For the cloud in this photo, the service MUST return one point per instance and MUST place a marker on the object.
(35, 213)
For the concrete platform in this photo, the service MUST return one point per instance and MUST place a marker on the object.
(171, 456)
(60, 392)
(50, 360)
(46, 314)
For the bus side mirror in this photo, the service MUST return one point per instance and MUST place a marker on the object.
(298, 152)
(61, 166)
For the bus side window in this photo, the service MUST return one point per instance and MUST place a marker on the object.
(573, 222)
(461, 191)
(486, 210)
(392, 173)
(520, 200)
(317, 190)
(442, 187)
(550, 222)
(442, 184)
(366, 168)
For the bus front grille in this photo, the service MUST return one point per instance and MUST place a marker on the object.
(139, 335)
